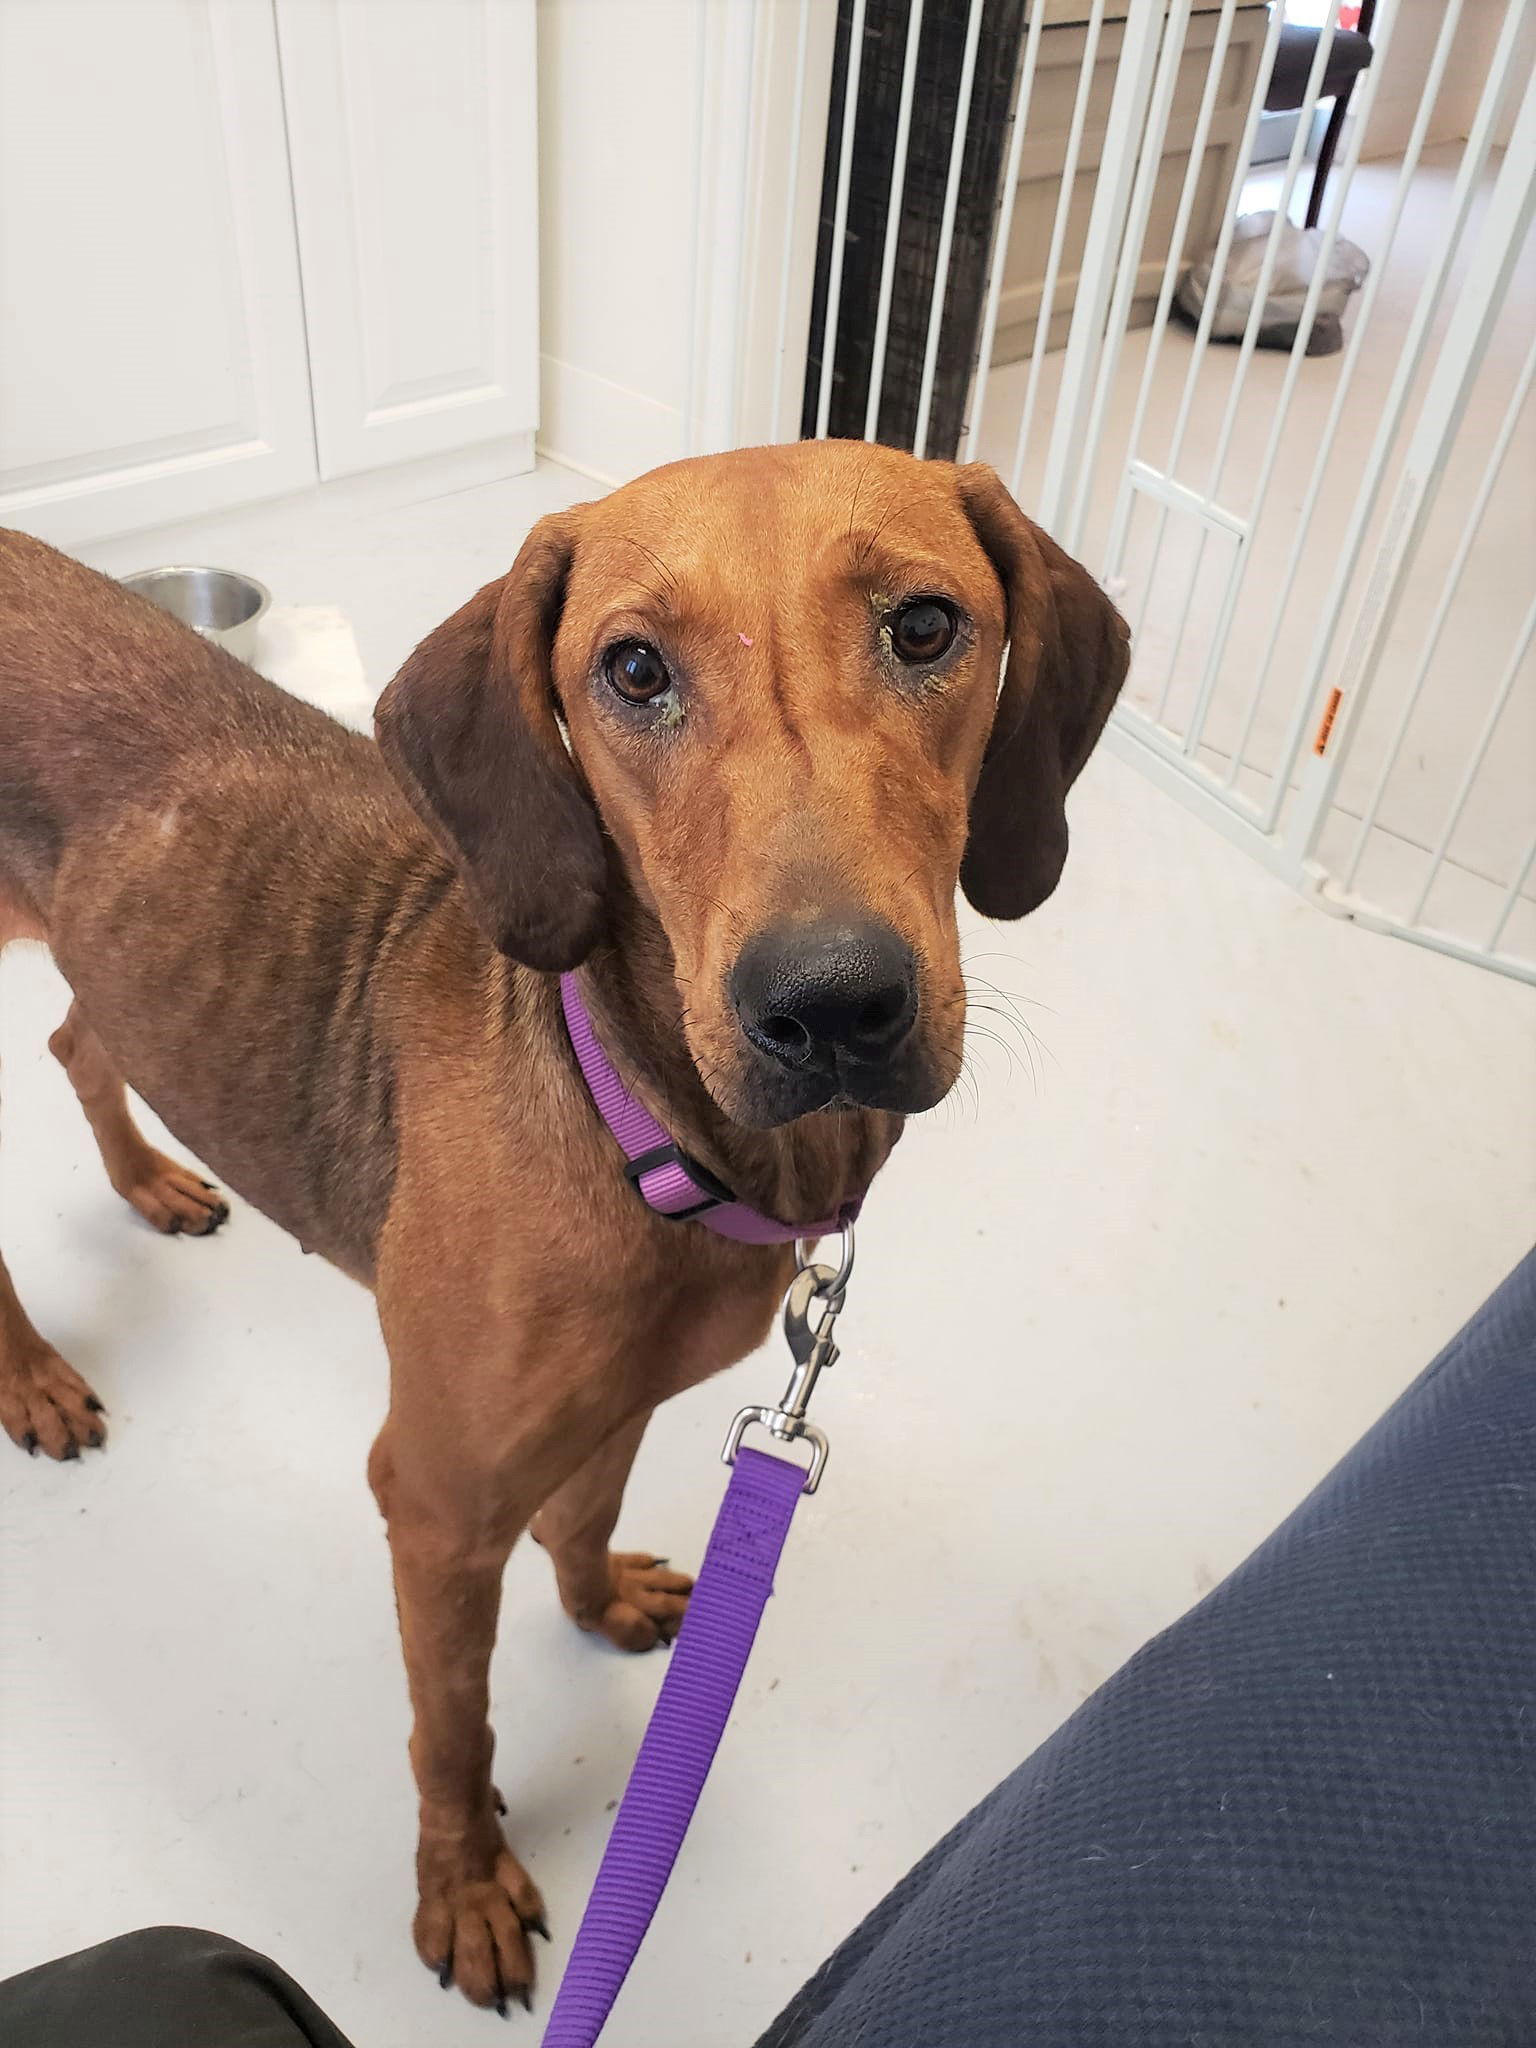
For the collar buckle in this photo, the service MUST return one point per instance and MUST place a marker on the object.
(713, 1193)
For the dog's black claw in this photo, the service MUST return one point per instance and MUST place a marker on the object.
(173, 1228)
(445, 1972)
(72, 1449)
(95, 1442)
(94, 1405)
(518, 1991)
(524, 1997)
(537, 1927)
(657, 1562)
(501, 1804)
(29, 1443)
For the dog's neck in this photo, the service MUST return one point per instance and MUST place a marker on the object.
(807, 1168)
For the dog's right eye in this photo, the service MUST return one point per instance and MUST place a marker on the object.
(635, 671)
(923, 630)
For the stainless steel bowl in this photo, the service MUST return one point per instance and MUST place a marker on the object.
(219, 603)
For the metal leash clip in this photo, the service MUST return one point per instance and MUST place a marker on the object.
(812, 1348)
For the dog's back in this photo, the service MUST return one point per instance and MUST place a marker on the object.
(107, 702)
(204, 854)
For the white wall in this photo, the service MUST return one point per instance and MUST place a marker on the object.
(617, 137)
(1407, 65)
(1477, 42)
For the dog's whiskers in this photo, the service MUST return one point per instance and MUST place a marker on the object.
(1005, 1010)
(1012, 994)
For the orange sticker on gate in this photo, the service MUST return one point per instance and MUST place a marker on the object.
(1320, 744)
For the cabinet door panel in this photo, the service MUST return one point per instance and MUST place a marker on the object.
(152, 347)
(412, 140)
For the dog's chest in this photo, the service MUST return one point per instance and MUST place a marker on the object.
(709, 1312)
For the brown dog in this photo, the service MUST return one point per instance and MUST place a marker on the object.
(727, 739)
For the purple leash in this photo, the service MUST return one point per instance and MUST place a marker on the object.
(705, 1671)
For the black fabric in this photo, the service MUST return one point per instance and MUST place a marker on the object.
(1347, 58)
(166, 1987)
(1305, 1813)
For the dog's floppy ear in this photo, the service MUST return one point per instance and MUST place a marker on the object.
(468, 726)
(1068, 650)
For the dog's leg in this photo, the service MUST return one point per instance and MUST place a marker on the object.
(169, 1196)
(449, 1547)
(627, 1596)
(44, 1403)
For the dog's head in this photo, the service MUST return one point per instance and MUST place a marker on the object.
(765, 685)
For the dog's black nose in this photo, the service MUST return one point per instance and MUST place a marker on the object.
(809, 996)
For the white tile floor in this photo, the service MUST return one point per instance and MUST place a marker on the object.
(1112, 1320)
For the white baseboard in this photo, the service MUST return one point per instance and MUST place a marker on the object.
(100, 520)
(434, 476)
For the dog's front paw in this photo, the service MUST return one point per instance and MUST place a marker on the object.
(647, 1602)
(46, 1406)
(473, 1926)
(172, 1198)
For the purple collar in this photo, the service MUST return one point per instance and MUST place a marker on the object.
(670, 1182)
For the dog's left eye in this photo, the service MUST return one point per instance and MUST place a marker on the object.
(635, 671)
(923, 630)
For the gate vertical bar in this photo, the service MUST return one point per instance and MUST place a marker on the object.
(1415, 346)
(840, 217)
(1147, 173)
(1199, 347)
(1474, 767)
(1059, 220)
(1340, 186)
(1023, 95)
(963, 95)
(1119, 525)
(1448, 592)
(1506, 222)
(1361, 329)
(1106, 231)
(1512, 897)
(893, 217)
(1196, 724)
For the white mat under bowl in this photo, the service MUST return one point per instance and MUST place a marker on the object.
(311, 650)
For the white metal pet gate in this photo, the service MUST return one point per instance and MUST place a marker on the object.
(1328, 560)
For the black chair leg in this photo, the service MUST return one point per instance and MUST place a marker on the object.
(1331, 136)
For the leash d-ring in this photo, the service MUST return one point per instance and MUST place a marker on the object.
(804, 1246)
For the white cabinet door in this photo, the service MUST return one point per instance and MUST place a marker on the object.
(152, 353)
(411, 130)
